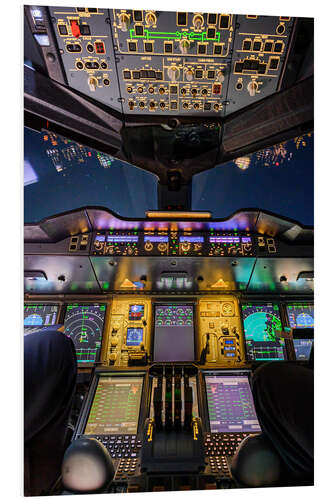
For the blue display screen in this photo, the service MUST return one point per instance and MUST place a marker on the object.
(303, 349)
(136, 312)
(300, 315)
(134, 336)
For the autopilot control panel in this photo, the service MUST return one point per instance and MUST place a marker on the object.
(152, 62)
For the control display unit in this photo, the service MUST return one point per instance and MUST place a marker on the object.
(230, 404)
(40, 315)
(300, 315)
(84, 323)
(116, 406)
(262, 323)
(174, 332)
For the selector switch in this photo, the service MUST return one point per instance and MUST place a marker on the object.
(252, 88)
(184, 45)
(92, 82)
(189, 75)
(124, 21)
(150, 19)
(173, 73)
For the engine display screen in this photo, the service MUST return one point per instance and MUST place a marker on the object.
(300, 315)
(134, 336)
(230, 404)
(174, 332)
(136, 312)
(116, 406)
(40, 315)
(84, 324)
(261, 324)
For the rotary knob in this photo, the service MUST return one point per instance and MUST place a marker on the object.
(124, 21)
(111, 250)
(173, 73)
(189, 75)
(184, 45)
(162, 247)
(198, 21)
(148, 246)
(185, 246)
(252, 88)
(150, 19)
(92, 83)
(220, 76)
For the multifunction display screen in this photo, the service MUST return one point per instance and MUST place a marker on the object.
(262, 323)
(174, 332)
(300, 315)
(230, 404)
(303, 349)
(136, 312)
(116, 406)
(40, 314)
(84, 324)
(134, 336)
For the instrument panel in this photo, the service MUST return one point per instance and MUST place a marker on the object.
(149, 62)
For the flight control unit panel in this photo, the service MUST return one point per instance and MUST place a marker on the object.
(150, 62)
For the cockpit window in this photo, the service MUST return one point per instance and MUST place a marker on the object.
(61, 175)
(278, 179)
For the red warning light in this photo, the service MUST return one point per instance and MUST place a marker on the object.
(75, 29)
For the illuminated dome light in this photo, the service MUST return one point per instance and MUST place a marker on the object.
(243, 162)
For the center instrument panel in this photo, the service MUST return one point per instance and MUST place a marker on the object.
(145, 62)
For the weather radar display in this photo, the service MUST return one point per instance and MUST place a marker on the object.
(261, 326)
(84, 325)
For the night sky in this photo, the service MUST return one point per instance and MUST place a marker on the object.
(284, 186)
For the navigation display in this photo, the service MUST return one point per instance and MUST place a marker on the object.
(300, 315)
(84, 324)
(230, 404)
(134, 336)
(116, 406)
(174, 332)
(136, 312)
(40, 314)
(261, 324)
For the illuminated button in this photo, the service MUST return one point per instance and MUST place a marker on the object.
(62, 29)
(148, 47)
(278, 47)
(238, 67)
(136, 75)
(212, 18)
(143, 73)
(274, 63)
(268, 47)
(132, 46)
(99, 47)
(224, 22)
(168, 47)
(85, 29)
(138, 30)
(173, 105)
(151, 74)
(173, 89)
(75, 28)
(217, 49)
(181, 18)
(211, 33)
(211, 74)
(262, 69)
(137, 14)
(198, 73)
(256, 46)
(247, 45)
(202, 48)
(127, 75)
(159, 75)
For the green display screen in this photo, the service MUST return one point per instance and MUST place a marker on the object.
(116, 406)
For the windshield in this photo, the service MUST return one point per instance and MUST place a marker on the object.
(277, 179)
(62, 175)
